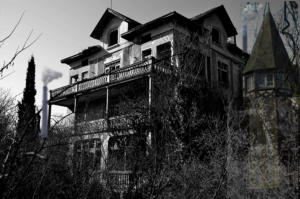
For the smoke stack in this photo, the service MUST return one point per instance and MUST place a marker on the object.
(245, 38)
(44, 133)
(47, 76)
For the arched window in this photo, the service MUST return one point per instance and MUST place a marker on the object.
(216, 36)
(113, 37)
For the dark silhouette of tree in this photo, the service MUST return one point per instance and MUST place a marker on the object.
(27, 110)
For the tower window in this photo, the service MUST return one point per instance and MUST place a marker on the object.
(265, 80)
(216, 36)
(113, 37)
(250, 83)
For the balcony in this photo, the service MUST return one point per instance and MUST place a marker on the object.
(131, 71)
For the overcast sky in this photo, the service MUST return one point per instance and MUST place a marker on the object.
(66, 26)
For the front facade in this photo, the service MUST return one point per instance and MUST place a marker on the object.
(126, 56)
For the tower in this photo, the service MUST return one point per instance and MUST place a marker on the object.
(267, 76)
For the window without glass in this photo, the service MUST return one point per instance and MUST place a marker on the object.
(74, 79)
(84, 75)
(146, 54)
(250, 83)
(88, 154)
(113, 37)
(265, 80)
(216, 36)
(223, 72)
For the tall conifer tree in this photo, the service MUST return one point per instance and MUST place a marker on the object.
(27, 110)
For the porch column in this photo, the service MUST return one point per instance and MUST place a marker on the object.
(75, 111)
(49, 116)
(107, 101)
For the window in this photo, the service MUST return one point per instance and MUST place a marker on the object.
(111, 66)
(163, 52)
(250, 83)
(146, 54)
(223, 72)
(84, 75)
(114, 107)
(88, 154)
(113, 37)
(74, 79)
(124, 150)
(146, 38)
(265, 80)
(280, 80)
(216, 36)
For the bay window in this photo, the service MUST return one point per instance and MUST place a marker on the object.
(265, 80)
(250, 83)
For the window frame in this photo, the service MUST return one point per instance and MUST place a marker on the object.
(222, 69)
(263, 80)
(75, 79)
(280, 83)
(147, 56)
(110, 43)
(219, 35)
(84, 75)
(112, 66)
(81, 151)
(250, 83)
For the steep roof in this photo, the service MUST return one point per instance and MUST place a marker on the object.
(268, 51)
(224, 17)
(172, 16)
(109, 13)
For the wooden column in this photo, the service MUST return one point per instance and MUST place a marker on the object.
(49, 116)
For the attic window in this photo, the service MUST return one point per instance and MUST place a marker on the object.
(216, 36)
(113, 37)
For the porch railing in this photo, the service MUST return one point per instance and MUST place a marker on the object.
(130, 71)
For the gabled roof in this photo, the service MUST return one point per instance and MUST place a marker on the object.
(268, 51)
(109, 13)
(86, 52)
(172, 16)
(224, 17)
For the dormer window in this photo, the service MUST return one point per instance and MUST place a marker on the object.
(113, 37)
(216, 36)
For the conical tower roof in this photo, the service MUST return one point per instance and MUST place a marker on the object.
(268, 51)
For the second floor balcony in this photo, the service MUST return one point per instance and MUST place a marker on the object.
(129, 72)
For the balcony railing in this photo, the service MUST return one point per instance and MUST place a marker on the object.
(99, 125)
(118, 180)
(130, 71)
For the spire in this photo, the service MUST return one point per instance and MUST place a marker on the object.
(268, 51)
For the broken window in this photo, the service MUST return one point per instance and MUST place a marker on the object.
(113, 37)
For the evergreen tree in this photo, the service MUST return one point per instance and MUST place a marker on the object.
(27, 111)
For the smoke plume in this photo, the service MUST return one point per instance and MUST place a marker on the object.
(48, 75)
(250, 12)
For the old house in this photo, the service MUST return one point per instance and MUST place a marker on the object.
(126, 54)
